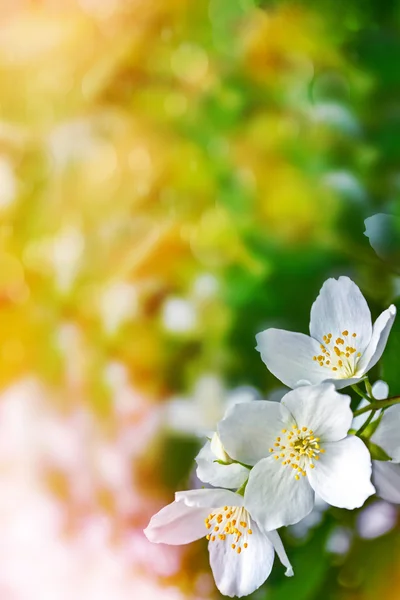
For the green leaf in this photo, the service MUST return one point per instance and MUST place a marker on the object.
(377, 453)
(372, 427)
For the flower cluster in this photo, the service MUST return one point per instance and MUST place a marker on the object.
(268, 459)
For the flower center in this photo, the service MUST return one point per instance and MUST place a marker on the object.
(340, 355)
(230, 524)
(297, 448)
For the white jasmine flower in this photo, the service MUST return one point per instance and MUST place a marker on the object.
(241, 556)
(342, 346)
(209, 470)
(386, 474)
(298, 446)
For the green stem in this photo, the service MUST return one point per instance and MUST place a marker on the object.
(365, 425)
(360, 392)
(237, 462)
(378, 405)
(232, 462)
(242, 488)
(368, 387)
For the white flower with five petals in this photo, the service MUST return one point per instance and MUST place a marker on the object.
(342, 347)
(299, 446)
(241, 556)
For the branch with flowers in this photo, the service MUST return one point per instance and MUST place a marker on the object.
(268, 459)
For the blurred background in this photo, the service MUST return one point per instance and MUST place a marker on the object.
(176, 176)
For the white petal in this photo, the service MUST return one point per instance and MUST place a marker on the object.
(387, 435)
(209, 498)
(241, 574)
(289, 356)
(322, 409)
(177, 524)
(380, 390)
(274, 497)
(380, 334)
(386, 477)
(342, 476)
(274, 537)
(226, 476)
(339, 306)
(248, 430)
